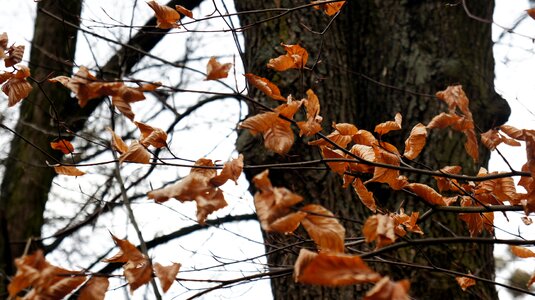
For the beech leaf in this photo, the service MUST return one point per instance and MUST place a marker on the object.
(521, 252)
(216, 70)
(295, 58)
(388, 126)
(267, 87)
(94, 289)
(16, 87)
(68, 170)
(387, 289)
(62, 145)
(323, 228)
(155, 137)
(415, 142)
(166, 17)
(136, 153)
(465, 282)
(365, 196)
(379, 228)
(166, 274)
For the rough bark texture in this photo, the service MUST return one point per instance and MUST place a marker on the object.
(419, 46)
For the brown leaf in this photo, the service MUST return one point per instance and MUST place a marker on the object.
(337, 167)
(513, 132)
(94, 289)
(166, 274)
(324, 229)
(155, 137)
(364, 137)
(62, 145)
(385, 175)
(521, 252)
(117, 142)
(295, 58)
(444, 120)
(329, 8)
(313, 122)
(465, 282)
(128, 252)
(476, 222)
(379, 228)
(186, 12)
(342, 136)
(415, 142)
(455, 98)
(17, 88)
(14, 55)
(387, 289)
(287, 223)
(216, 70)
(404, 222)
(68, 170)
(267, 87)
(430, 195)
(135, 153)
(166, 17)
(446, 184)
(363, 152)
(388, 126)
(365, 196)
(231, 171)
(329, 269)
(531, 12)
(3, 43)
(137, 273)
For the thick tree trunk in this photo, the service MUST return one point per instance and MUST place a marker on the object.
(418, 47)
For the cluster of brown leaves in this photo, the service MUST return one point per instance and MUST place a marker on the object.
(15, 85)
(166, 17)
(277, 212)
(202, 186)
(87, 87)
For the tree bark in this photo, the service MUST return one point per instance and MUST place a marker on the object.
(378, 58)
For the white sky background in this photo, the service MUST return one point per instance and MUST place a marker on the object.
(514, 81)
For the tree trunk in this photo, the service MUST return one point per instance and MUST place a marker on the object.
(378, 58)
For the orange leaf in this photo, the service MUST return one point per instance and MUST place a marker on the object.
(387, 289)
(186, 12)
(14, 55)
(166, 17)
(338, 167)
(513, 132)
(137, 273)
(470, 145)
(342, 136)
(313, 123)
(416, 141)
(444, 120)
(430, 195)
(465, 282)
(155, 137)
(385, 175)
(17, 88)
(364, 152)
(215, 70)
(408, 222)
(491, 139)
(329, 8)
(379, 228)
(231, 170)
(117, 142)
(329, 269)
(388, 126)
(446, 184)
(288, 223)
(135, 153)
(124, 107)
(128, 252)
(208, 203)
(531, 12)
(266, 86)
(3, 43)
(94, 289)
(522, 252)
(295, 58)
(323, 228)
(476, 222)
(455, 97)
(62, 145)
(166, 274)
(68, 170)
(365, 196)
(364, 137)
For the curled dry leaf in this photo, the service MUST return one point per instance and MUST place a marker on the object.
(364, 137)
(521, 252)
(45, 280)
(328, 269)
(267, 87)
(365, 153)
(337, 167)
(296, 57)
(379, 228)
(329, 8)
(455, 97)
(313, 122)
(94, 289)
(155, 137)
(68, 170)
(16, 87)
(404, 222)
(388, 126)
(415, 142)
(387, 289)
(476, 222)
(231, 171)
(117, 142)
(136, 153)
(216, 70)
(513, 132)
(14, 55)
(186, 12)
(62, 145)
(323, 228)
(385, 154)
(465, 282)
(166, 274)
(430, 195)
(166, 17)
(365, 196)
(446, 184)
(342, 136)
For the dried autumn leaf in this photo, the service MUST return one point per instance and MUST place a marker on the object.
(83, 84)
(124, 107)
(365, 196)
(476, 222)
(216, 70)
(385, 175)
(231, 171)
(62, 145)
(404, 222)
(513, 132)
(329, 269)
(337, 167)
(17, 88)
(14, 55)
(364, 137)
(531, 12)
(415, 142)
(117, 142)
(3, 43)
(387, 289)
(68, 170)
(166, 274)
(341, 136)
(155, 137)
(137, 273)
(446, 184)
(388, 126)
(329, 8)
(288, 223)
(313, 122)
(455, 97)
(135, 153)
(186, 12)
(365, 153)
(491, 139)
(465, 282)
(521, 252)
(128, 252)
(323, 228)
(471, 145)
(430, 195)
(166, 17)
(94, 289)
(379, 228)
(296, 57)
(267, 87)
(444, 120)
